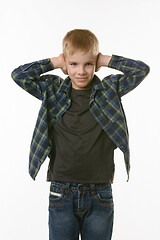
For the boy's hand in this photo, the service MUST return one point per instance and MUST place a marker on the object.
(59, 62)
(102, 61)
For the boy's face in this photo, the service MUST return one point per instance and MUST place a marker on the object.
(81, 67)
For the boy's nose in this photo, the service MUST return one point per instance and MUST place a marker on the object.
(81, 70)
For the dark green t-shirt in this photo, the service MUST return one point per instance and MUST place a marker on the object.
(83, 153)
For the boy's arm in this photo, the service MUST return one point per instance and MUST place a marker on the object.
(28, 76)
(134, 72)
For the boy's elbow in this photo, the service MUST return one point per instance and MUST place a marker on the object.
(14, 75)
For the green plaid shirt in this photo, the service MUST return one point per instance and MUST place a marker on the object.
(105, 103)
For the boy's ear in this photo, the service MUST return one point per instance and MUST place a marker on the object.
(64, 70)
(63, 55)
(98, 66)
(63, 64)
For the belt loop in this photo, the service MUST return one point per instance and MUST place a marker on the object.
(68, 189)
(93, 187)
(68, 186)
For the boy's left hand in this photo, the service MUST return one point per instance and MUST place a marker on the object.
(102, 61)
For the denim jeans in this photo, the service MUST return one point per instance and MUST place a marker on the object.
(85, 209)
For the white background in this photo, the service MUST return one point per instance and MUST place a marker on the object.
(33, 30)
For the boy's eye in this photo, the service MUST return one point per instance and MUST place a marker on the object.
(89, 64)
(73, 64)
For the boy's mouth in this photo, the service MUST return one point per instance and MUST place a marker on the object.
(82, 78)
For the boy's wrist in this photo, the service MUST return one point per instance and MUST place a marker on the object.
(105, 59)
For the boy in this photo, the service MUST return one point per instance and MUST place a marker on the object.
(80, 123)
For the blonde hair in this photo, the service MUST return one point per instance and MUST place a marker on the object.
(80, 39)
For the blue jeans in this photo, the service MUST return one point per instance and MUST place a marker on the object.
(85, 209)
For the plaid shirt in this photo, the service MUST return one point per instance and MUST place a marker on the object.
(105, 103)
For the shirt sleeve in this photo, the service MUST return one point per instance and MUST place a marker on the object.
(134, 71)
(28, 77)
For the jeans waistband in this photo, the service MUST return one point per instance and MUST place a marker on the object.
(80, 186)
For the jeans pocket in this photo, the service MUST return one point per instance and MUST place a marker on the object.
(104, 196)
(57, 196)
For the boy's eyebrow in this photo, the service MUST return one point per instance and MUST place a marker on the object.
(71, 61)
(89, 61)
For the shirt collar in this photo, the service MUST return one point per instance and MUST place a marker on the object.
(65, 85)
(97, 84)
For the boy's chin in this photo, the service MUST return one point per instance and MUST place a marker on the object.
(81, 86)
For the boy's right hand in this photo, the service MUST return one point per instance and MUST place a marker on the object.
(59, 62)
